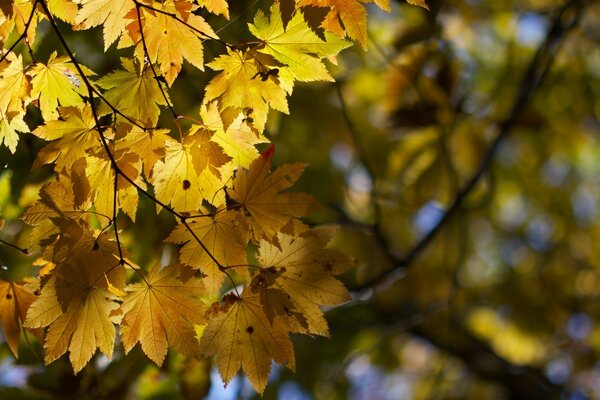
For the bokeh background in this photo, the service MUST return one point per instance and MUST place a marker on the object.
(459, 155)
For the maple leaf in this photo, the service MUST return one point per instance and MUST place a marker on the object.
(14, 86)
(296, 46)
(241, 336)
(303, 269)
(237, 140)
(259, 195)
(76, 303)
(110, 13)
(15, 300)
(221, 235)
(218, 7)
(245, 83)
(183, 181)
(8, 131)
(134, 92)
(100, 174)
(162, 311)
(73, 136)
(84, 324)
(63, 9)
(56, 200)
(351, 13)
(149, 145)
(57, 82)
(169, 41)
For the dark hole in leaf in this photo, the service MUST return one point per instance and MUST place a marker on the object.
(8, 296)
(186, 184)
(250, 329)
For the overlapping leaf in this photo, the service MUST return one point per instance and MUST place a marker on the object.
(259, 193)
(241, 336)
(162, 311)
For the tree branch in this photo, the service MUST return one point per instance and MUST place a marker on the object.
(565, 20)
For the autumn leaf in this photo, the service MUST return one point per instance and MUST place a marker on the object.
(134, 92)
(149, 145)
(14, 86)
(241, 336)
(110, 13)
(57, 82)
(15, 300)
(346, 17)
(169, 41)
(303, 268)
(297, 47)
(218, 7)
(162, 311)
(8, 131)
(259, 194)
(237, 140)
(75, 303)
(246, 83)
(180, 182)
(420, 3)
(222, 238)
(72, 136)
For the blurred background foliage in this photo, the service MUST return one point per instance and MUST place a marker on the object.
(464, 172)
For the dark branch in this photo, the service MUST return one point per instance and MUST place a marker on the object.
(566, 19)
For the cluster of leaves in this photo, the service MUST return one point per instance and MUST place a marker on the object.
(243, 247)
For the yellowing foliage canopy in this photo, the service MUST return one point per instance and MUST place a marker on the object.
(248, 272)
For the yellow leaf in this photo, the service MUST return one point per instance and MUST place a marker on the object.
(221, 235)
(420, 3)
(180, 182)
(110, 13)
(63, 9)
(134, 92)
(246, 83)
(259, 195)
(101, 177)
(8, 131)
(296, 46)
(15, 300)
(241, 336)
(303, 269)
(149, 145)
(73, 135)
(75, 303)
(216, 7)
(169, 41)
(162, 311)
(57, 82)
(238, 140)
(14, 86)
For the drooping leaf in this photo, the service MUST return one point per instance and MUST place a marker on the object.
(161, 311)
(73, 136)
(303, 269)
(169, 41)
(241, 336)
(110, 13)
(8, 131)
(15, 300)
(221, 236)
(259, 193)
